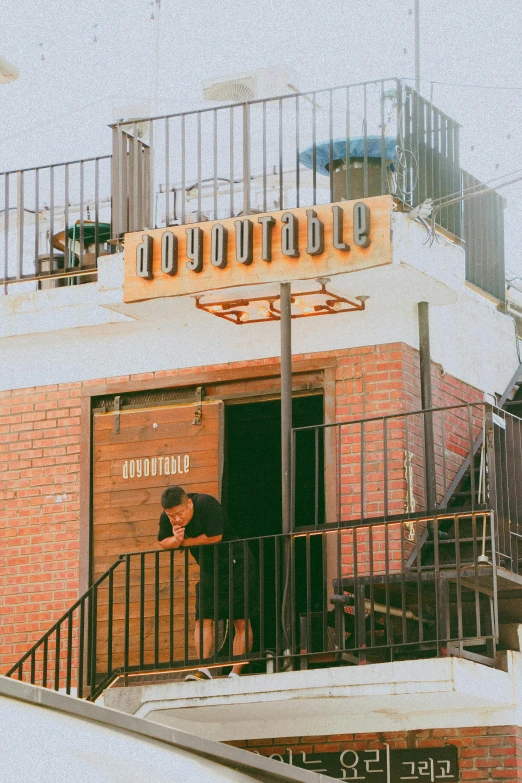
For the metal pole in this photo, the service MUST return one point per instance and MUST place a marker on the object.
(156, 59)
(426, 403)
(286, 402)
(286, 476)
(246, 159)
(417, 47)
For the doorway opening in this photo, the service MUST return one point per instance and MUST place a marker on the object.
(252, 470)
(251, 496)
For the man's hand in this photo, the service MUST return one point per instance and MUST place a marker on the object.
(175, 540)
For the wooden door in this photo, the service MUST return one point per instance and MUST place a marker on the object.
(133, 462)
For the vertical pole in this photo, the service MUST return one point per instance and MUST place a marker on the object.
(417, 47)
(286, 402)
(494, 484)
(156, 59)
(425, 382)
(287, 619)
(246, 159)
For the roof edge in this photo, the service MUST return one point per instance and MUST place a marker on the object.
(227, 755)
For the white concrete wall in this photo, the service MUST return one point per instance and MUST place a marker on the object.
(50, 738)
(84, 332)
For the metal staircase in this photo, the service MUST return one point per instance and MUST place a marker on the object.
(460, 491)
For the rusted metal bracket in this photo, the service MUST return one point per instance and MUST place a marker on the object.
(198, 413)
(117, 406)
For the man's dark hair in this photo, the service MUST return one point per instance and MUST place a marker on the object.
(173, 496)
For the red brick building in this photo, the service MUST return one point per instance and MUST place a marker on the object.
(375, 476)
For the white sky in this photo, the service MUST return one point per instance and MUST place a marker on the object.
(59, 108)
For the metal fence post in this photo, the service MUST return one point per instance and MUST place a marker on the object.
(246, 159)
(492, 474)
(115, 184)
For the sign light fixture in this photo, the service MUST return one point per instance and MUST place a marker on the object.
(267, 308)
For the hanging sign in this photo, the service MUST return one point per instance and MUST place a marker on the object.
(293, 244)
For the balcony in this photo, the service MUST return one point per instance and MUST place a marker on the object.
(311, 148)
(397, 552)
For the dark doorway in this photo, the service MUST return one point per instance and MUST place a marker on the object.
(252, 499)
(252, 474)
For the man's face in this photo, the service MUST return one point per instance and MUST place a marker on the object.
(180, 515)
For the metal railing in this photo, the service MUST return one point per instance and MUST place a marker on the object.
(483, 234)
(55, 221)
(345, 593)
(504, 448)
(382, 468)
(349, 142)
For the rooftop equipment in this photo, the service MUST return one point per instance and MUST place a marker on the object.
(263, 83)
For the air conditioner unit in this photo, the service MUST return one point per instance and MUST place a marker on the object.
(263, 83)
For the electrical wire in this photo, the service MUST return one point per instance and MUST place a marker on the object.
(464, 196)
(463, 86)
(483, 185)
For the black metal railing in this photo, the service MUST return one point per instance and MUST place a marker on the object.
(383, 467)
(344, 593)
(504, 448)
(55, 221)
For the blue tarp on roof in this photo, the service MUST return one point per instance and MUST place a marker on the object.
(322, 151)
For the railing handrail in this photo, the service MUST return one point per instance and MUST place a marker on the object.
(65, 616)
(55, 165)
(79, 656)
(329, 527)
(400, 414)
(253, 101)
(285, 96)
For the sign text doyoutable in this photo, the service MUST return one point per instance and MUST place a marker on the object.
(293, 244)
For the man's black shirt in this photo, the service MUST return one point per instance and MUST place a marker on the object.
(208, 519)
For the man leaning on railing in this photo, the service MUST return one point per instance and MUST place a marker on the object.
(196, 520)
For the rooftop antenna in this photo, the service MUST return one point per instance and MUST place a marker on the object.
(156, 18)
(417, 47)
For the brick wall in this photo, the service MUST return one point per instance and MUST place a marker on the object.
(484, 753)
(376, 381)
(39, 508)
(39, 475)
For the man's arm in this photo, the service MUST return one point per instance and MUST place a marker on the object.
(201, 540)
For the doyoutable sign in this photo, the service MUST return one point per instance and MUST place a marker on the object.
(294, 244)
(430, 765)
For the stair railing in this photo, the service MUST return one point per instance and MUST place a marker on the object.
(364, 605)
(504, 473)
(64, 659)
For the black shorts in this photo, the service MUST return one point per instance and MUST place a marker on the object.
(219, 597)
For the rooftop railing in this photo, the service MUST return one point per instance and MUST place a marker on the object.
(303, 149)
(55, 221)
